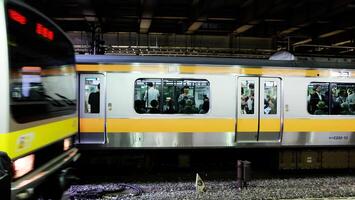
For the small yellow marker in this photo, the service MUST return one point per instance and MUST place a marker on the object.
(200, 185)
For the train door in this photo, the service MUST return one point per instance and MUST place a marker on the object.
(259, 110)
(92, 108)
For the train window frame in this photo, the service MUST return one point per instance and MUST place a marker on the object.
(330, 103)
(161, 90)
(267, 110)
(242, 94)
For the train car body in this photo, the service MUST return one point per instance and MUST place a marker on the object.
(38, 89)
(177, 102)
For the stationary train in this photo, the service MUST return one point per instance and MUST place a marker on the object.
(38, 105)
(177, 102)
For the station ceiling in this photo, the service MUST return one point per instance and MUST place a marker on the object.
(322, 27)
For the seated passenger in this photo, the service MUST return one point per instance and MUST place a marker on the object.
(184, 97)
(139, 106)
(321, 108)
(189, 108)
(154, 109)
(170, 107)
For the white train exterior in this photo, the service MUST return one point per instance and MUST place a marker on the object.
(226, 124)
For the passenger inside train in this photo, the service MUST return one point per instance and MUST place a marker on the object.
(151, 94)
(247, 97)
(94, 100)
(331, 98)
(270, 99)
(171, 96)
(186, 101)
(92, 95)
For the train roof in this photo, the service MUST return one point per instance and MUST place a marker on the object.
(106, 59)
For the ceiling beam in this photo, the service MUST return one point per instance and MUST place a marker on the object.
(196, 12)
(88, 11)
(308, 15)
(147, 15)
(255, 11)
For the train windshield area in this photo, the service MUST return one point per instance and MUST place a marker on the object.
(331, 99)
(171, 96)
(42, 75)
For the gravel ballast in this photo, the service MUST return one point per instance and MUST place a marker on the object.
(269, 188)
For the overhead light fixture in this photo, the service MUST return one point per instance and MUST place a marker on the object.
(243, 28)
(342, 43)
(346, 51)
(274, 20)
(194, 26)
(144, 25)
(331, 33)
(289, 30)
(91, 18)
(302, 42)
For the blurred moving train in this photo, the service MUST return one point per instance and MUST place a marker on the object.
(38, 89)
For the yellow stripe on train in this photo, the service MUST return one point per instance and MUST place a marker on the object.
(22, 142)
(215, 125)
(200, 69)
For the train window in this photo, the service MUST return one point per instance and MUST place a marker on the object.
(342, 99)
(331, 98)
(92, 95)
(147, 95)
(318, 98)
(247, 97)
(171, 96)
(270, 98)
(41, 62)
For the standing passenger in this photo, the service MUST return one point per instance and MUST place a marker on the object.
(206, 104)
(250, 103)
(154, 108)
(351, 100)
(94, 101)
(315, 98)
(151, 94)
